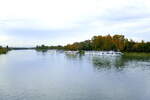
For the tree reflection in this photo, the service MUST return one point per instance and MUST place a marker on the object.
(107, 62)
(43, 51)
(74, 56)
(120, 62)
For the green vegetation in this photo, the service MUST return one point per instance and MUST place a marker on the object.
(81, 52)
(107, 43)
(3, 50)
(43, 47)
(136, 55)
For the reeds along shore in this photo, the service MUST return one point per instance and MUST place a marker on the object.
(3, 50)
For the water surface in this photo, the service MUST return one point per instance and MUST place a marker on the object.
(53, 75)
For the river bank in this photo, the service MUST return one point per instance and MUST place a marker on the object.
(3, 50)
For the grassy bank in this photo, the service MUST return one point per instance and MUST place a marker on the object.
(136, 55)
(3, 50)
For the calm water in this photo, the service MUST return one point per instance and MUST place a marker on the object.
(53, 75)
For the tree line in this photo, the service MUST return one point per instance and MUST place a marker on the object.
(105, 43)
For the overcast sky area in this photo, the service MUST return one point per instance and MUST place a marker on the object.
(54, 22)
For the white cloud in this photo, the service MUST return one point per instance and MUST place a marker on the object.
(50, 13)
(24, 22)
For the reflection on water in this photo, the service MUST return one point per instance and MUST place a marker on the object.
(115, 62)
(74, 56)
(108, 62)
(120, 62)
(43, 51)
(54, 75)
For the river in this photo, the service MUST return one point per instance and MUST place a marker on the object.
(54, 75)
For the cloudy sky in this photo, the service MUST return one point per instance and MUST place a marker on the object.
(53, 22)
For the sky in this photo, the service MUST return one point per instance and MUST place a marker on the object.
(59, 22)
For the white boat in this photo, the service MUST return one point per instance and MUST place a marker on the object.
(103, 53)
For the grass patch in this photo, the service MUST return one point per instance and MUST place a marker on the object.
(3, 50)
(136, 55)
